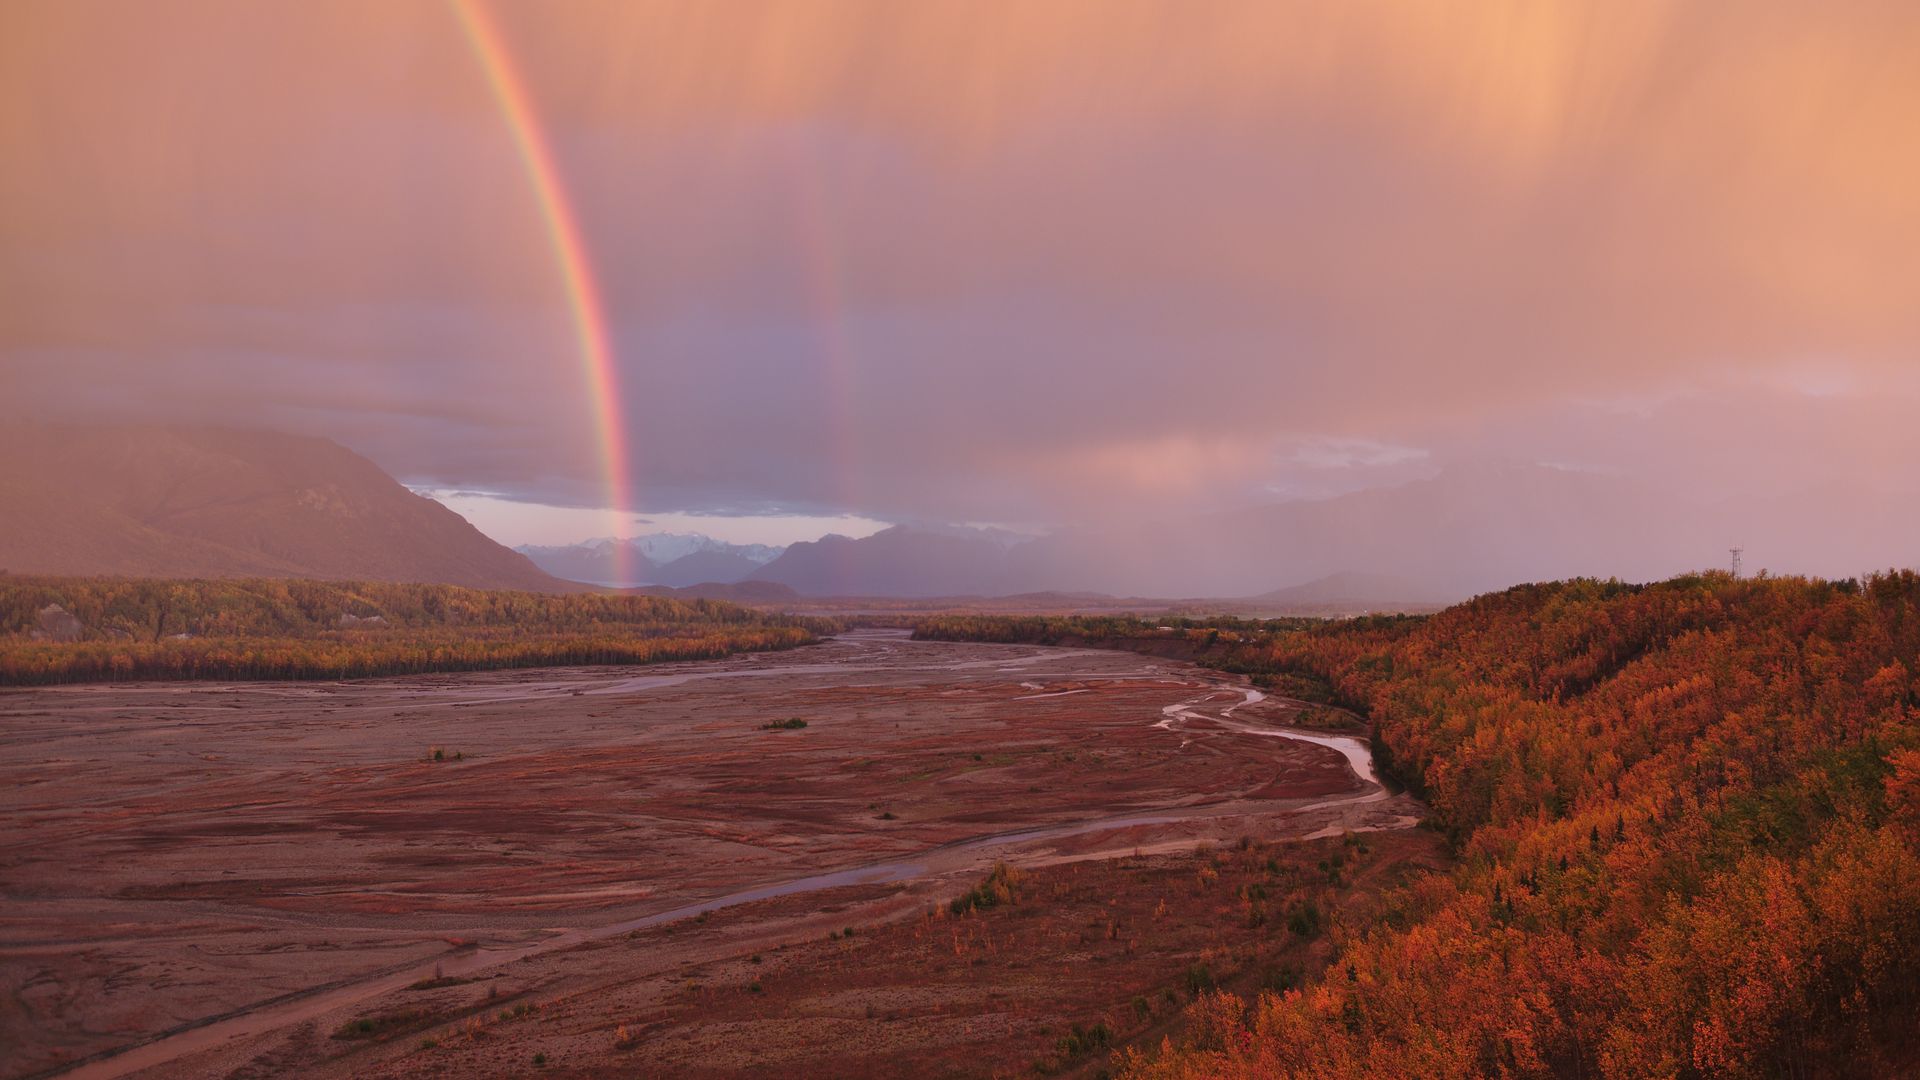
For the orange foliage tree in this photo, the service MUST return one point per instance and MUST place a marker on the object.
(1687, 818)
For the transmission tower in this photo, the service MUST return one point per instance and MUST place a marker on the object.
(1736, 560)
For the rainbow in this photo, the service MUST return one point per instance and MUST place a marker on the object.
(823, 280)
(585, 309)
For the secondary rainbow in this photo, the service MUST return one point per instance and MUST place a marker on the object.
(585, 309)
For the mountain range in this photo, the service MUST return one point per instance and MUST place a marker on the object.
(172, 501)
(671, 559)
(1466, 530)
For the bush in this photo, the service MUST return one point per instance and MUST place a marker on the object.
(1305, 919)
(1002, 886)
(1081, 1041)
(1199, 978)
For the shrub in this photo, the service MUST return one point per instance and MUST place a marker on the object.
(1081, 1041)
(1199, 978)
(1002, 886)
(1305, 919)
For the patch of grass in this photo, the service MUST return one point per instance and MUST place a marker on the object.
(791, 723)
(374, 1027)
(437, 982)
(516, 1012)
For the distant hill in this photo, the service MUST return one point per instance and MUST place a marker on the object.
(155, 501)
(654, 559)
(1473, 527)
(900, 561)
(739, 592)
(704, 566)
(596, 562)
(1466, 530)
(1351, 592)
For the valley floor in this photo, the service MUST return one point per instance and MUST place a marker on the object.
(622, 869)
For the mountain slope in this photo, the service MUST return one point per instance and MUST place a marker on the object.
(596, 561)
(900, 561)
(152, 501)
(1350, 591)
(653, 559)
(699, 567)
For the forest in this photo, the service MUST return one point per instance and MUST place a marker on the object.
(1686, 821)
(56, 630)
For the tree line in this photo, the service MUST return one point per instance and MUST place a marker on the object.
(1687, 824)
(298, 629)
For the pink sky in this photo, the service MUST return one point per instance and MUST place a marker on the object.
(1033, 263)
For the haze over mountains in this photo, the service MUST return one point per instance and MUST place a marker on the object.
(674, 559)
(209, 502)
(1465, 531)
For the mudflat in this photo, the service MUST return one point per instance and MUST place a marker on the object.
(348, 878)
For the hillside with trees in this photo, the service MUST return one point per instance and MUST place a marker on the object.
(1686, 818)
(91, 629)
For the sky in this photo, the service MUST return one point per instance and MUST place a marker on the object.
(1038, 264)
(517, 522)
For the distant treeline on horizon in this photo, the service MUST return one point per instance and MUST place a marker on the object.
(86, 629)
